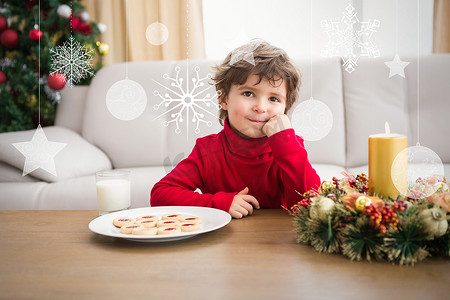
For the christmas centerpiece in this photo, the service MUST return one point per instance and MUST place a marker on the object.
(341, 217)
(398, 213)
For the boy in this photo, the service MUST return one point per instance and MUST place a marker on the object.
(256, 160)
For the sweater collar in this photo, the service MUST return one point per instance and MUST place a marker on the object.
(242, 146)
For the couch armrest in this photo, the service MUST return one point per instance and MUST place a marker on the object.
(70, 110)
(77, 158)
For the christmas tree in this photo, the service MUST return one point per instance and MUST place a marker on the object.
(37, 39)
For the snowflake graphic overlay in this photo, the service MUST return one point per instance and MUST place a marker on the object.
(350, 38)
(72, 60)
(187, 100)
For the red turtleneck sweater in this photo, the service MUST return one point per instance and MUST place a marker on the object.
(223, 164)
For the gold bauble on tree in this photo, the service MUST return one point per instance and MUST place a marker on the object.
(103, 48)
(32, 101)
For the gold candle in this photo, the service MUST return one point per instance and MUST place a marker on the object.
(383, 149)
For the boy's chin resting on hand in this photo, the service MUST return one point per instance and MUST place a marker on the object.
(276, 124)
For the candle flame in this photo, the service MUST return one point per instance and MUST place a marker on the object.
(387, 129)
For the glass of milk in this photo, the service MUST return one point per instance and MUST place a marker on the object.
(113, 190)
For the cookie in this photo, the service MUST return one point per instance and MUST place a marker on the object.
(166, 223)
(128, 229)
(192, 219)
(175, 217)
(147, 223)
(122, 221)
(168, 230)
(188, 226)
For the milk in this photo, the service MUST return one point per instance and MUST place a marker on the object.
(113, 195)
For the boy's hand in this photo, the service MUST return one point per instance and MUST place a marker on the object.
(243, 204)
(276, 124)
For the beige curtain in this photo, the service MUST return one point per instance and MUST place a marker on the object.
(183, 19)
(441, 30)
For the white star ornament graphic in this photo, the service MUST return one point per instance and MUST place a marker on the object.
(396, 66)
(245, 52)
(39, 153)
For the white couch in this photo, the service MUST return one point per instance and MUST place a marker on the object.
(360, 102)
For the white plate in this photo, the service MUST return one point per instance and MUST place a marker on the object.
(212, 219)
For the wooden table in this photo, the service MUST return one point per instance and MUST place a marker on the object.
(53, 255)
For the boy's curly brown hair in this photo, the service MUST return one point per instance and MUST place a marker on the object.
(271, 63)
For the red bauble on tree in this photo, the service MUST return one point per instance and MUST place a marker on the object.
(35, 34)
(80, 26)
(3, 23)
(9, 38)
(56, 81)
(2, 77)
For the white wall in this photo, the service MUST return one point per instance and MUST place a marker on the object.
(290, 25)
(385, 39)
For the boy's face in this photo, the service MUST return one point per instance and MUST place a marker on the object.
(251, 105)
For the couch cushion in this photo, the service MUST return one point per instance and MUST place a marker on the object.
(22, 195)
(327, 87)
(9, 173)
(77, 158)
(76, 193)
(372, 98)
